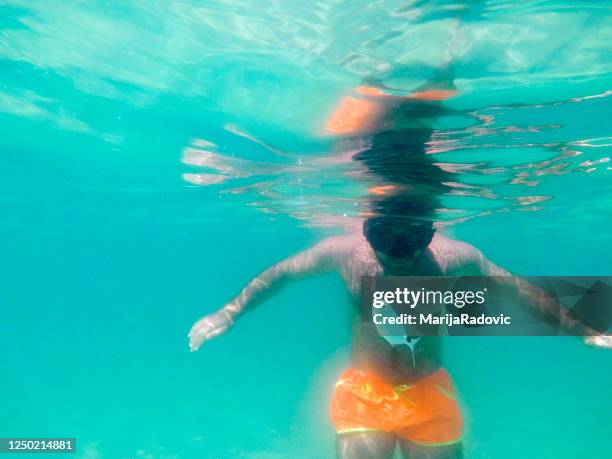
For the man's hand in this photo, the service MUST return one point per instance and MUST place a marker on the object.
(209, 327)
(603, 341)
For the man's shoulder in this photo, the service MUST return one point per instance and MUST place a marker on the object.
(345, 243)
(451, 254)
(444, 243)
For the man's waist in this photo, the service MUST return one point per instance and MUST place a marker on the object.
(396, 365)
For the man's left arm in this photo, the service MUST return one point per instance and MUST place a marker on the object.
(540, 300)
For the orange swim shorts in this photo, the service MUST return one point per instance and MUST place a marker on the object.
(424, 412)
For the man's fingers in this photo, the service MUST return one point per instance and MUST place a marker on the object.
(195, 343)
(208, 328)
(203, 333)
(196, 337)
(603, 341)
(215, 332)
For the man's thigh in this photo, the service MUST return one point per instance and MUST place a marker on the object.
(365, 445)
(414, 451)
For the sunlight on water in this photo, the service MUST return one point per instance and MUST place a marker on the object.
(502, 157)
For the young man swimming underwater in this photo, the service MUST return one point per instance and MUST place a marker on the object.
(391, 393)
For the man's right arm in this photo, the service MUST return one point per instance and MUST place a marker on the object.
(320, 258)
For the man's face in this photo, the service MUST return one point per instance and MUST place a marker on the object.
(397, 243)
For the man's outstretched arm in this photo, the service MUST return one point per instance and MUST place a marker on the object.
(538, 298)
(320, 258)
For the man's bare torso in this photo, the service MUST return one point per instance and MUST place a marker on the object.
(354, 258)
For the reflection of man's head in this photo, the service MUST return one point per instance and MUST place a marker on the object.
(398, 240)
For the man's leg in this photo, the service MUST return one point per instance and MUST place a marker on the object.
(414, 451)
(365, 445)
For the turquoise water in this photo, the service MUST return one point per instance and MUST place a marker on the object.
(115, 243)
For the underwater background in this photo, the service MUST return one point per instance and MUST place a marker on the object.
(156, 155)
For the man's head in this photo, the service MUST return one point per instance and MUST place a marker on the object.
(397, 240)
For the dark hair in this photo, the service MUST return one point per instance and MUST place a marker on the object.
(398, 237)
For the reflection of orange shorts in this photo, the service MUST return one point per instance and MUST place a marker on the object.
(424, 412)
